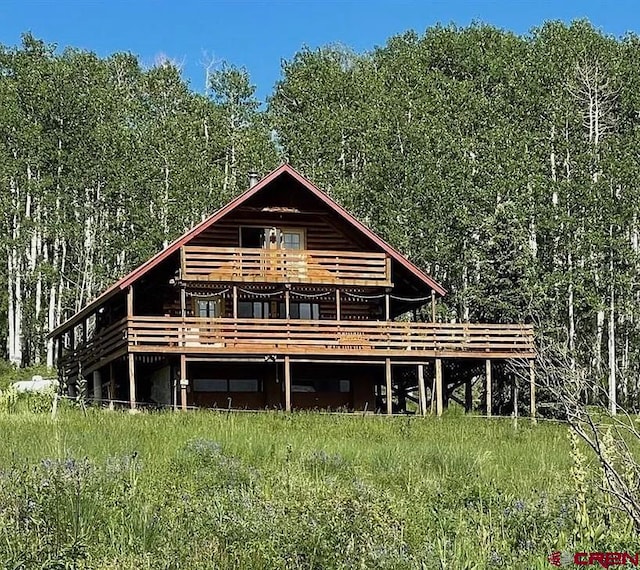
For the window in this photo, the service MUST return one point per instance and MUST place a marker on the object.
(305, 311)
(253, 309)
(292, 239)
(226, 385)
(321, 385)
(271, 238)
(208, 307)
(209, 385)
(252, 237)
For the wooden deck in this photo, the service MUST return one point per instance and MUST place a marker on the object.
(325, 338)
(285, 266)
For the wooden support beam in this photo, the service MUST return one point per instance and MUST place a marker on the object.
(183, 382)
(433, 306)
(287, 304)
(130, 301)
(287, 384)
(422, 396)
(532, 388)
(132, 381)
(338, 307)
(514, 397)
(387, 307)
(468, 396)
(439, 387)
(183, 301)
(487, 368)
(389, 388)
(112, 386)
(97, 386)
(235, 302)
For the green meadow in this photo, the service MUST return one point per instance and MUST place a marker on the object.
(112, 490)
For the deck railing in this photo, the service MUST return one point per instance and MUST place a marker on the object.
(285, 266)
(196, 335)
(324, 337)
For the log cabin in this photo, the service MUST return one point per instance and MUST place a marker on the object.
(281, 299)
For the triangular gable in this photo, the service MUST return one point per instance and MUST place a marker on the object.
(172, 248)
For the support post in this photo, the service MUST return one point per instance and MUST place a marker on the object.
(97, 386)
(468, 396)
(130, 301)
(338, 307)
(422, 396)
(439, 387)
(387, 307)
(287, 304)
(112, 386)
(514, 397)
(287, 384)
(183, 382)
(235, 302)
(387, 377)
(532, 388)
(132, 381)
(183, 302)
(487, 368)
(433, 306)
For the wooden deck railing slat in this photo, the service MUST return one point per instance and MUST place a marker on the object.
(285, 266)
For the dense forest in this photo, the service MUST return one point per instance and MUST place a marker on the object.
(506, 166)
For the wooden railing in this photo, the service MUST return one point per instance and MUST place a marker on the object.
(285, 266)
(101, 347)
(279, 336)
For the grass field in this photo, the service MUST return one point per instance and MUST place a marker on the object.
(273, 490)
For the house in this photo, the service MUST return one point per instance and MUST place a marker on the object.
(280, 299)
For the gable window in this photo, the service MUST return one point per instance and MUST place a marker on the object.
(272, 238)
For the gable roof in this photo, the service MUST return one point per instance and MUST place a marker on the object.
(173, 247)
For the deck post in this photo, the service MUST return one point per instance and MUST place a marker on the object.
(468, 396)
(387, 377)
(514, 397)
(183, 382)
(338, 307)
(130, 301)
(387, 307)
(532, 388)
(97, 386)
(287, 384)
(422, 396)
(183, 301)
(287, 304)
(439, 390)
(132, 381)
(112, 386)
(235, 302)
(433, 306)
(487, 367)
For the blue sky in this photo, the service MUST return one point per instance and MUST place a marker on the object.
(259, 34)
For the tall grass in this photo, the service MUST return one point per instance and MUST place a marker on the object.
(230, 490)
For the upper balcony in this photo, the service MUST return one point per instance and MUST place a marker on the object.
(231, 264)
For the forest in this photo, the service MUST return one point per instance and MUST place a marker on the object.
(506, 166)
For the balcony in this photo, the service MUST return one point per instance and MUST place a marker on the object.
(285, 266)
(373, 338)
(320, 338)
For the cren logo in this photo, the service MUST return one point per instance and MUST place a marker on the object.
(560, 558)
(605, 559)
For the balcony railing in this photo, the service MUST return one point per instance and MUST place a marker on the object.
(285, 266)
(195, 335)
(280, 336)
